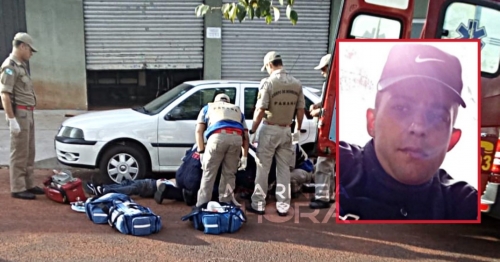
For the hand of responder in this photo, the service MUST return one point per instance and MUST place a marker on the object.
(14, 126)
(295, 137)
(251, 137)
(201, 158)
(312, 107)
(243, 163)
(315, 112)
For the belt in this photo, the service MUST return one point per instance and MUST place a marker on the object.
(273, 124)
(228, 131)
(31, 108)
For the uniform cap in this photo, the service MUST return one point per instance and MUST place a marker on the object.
(413, 61)
(25, 38)
(222, 98)
(325, 60)
(270, 57)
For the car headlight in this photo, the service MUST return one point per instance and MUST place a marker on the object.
(70, 132)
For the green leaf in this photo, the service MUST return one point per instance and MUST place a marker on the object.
(276, 13)
(294, 17)
(253, 3)
(243, 2)
(264, 5)
(269, 19)
(250, 12)
(201, 10)
(242, 13)
(258, 13)
(232, 13)
(291, 2)
(281, 2)
(225, 10)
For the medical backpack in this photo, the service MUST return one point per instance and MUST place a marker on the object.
(133, 219)
(230, 220)
(97, 207)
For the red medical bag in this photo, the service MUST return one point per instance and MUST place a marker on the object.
(64, 188)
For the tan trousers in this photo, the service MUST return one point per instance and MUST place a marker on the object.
(273, 141)
(222, 149)
(324, 179)
(22, 153)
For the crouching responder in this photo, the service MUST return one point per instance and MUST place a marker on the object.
(223, 125)
(324, 177)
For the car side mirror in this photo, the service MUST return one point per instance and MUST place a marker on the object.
(173, 115)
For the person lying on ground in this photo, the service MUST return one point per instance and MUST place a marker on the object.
(158, 189)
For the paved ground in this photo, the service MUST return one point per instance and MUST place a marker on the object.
(43, 230)
(47, 123)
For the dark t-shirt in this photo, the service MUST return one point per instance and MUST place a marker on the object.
(367, 191)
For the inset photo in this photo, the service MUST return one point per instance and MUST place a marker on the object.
(408, 130)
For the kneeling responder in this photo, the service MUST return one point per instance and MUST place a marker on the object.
(225, 129)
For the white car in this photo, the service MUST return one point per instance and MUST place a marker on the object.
(129, 143)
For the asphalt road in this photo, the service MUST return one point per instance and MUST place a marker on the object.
(42, 230)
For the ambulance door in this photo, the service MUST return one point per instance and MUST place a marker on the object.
(359, 19)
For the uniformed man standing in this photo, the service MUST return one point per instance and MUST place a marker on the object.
(19, 100)
(226, 132)
(280, 95)
(324, 177)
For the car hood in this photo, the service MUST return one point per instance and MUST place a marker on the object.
(116, 118)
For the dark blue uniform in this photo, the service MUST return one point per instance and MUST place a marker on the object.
(367, 191)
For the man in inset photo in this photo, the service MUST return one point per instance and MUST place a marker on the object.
(397, 174)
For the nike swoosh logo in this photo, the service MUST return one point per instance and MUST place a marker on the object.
(422, 60)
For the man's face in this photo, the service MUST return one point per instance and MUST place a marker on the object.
(412, 127)
(26, 52)
(324, 71)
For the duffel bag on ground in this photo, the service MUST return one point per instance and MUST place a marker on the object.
(97, 208)
(133, 219)
(225, 218)
(62, 187)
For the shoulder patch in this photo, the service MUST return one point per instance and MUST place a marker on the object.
(9, 71)
(259, 95)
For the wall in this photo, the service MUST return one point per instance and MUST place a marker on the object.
(58, 69)
(212, 65)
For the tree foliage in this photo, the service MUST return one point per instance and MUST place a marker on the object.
(250, 9)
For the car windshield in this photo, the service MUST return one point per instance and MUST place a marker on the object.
(164, 100)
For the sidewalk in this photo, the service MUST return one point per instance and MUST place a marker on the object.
(47, 123)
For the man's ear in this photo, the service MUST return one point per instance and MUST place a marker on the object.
(455, 137)
(370, 121)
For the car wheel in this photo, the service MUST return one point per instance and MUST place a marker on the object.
(123, 162)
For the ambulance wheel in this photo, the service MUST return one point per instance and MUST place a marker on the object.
(123, 162)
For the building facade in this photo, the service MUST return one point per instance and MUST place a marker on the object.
(121, 53)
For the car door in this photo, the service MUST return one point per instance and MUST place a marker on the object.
(249, 98)
(360, 19)
(177, 124)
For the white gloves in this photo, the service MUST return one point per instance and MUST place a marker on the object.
(201, 158)
(14, 126)
(243, 163)
(252, 138)
(295, 137)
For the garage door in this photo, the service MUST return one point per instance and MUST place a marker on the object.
(139, 34)
(301, 46)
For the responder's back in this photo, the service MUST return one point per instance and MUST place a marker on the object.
(220, 111)
(285, 93)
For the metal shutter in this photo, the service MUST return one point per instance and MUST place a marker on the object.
(244, 45)
(139, 34)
